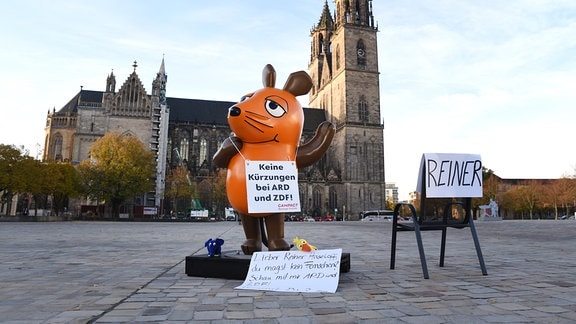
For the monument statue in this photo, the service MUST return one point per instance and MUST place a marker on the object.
(266, 126)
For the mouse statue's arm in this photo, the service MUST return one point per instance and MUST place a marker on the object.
(227, 150)
(313, 150)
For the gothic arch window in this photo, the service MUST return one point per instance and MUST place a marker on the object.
(361, 54)
(195, 135)
(128, 133)
(338, 57)
(363, 109)
(221, 140)
(184, 149)
(316, 199)
(321, 44)
(203, 150)
(333, 199)
(58, 139)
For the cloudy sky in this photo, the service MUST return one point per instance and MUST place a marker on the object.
(492, 77)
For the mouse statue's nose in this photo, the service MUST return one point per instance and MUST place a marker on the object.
(234, 111)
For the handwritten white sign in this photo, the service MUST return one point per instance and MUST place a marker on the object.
(272, 187)
(294, 271)
(450, 175)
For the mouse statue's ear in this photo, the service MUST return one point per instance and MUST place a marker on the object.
(269, 76)
(298, 83)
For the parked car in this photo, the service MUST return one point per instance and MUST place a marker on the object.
(328, 218)
(293, 218)
(309, 219)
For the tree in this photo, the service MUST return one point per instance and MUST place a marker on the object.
(220, 197)
(522, 198)
(490, 186)
(179, 186)
(14, 177)
(34, 182)
(119, 167)
(552, 193)
(61, 181)
(567, 196)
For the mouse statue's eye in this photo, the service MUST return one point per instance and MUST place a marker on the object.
(274, 108)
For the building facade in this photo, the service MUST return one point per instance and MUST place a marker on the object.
(71, 131)
(344, 68)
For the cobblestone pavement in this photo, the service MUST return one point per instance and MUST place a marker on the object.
(118, 272)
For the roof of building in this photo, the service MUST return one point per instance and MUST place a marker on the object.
(200, 111)
(216, 112)
(84, 96)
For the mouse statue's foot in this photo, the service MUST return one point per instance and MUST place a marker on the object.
(278, 245)
(275, 229)
(250, 246)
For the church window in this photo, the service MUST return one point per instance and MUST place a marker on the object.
(195, 135)
(58, 147)
(333, 200)
(203, 150)
(363, 109)
(321, 44)
(317, 199)
(361, 54)
(338, 57)
(184, 149)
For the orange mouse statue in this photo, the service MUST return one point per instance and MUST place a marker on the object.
(267, 126)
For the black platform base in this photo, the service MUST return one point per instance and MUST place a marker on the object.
(232, 265)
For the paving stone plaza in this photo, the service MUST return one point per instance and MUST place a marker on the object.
(131, 272)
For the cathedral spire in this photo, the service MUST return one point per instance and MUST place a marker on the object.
(321, 34)
(159, 84)
(354, 12)
(162, 70)
(326, 21)
(111, 82)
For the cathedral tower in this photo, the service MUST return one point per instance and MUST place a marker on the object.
(344, 69)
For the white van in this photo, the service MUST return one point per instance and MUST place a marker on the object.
(384, 215)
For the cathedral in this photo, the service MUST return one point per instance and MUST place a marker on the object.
(344, 69)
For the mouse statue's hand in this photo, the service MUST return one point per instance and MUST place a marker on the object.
(230, 147)
(313, 150)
